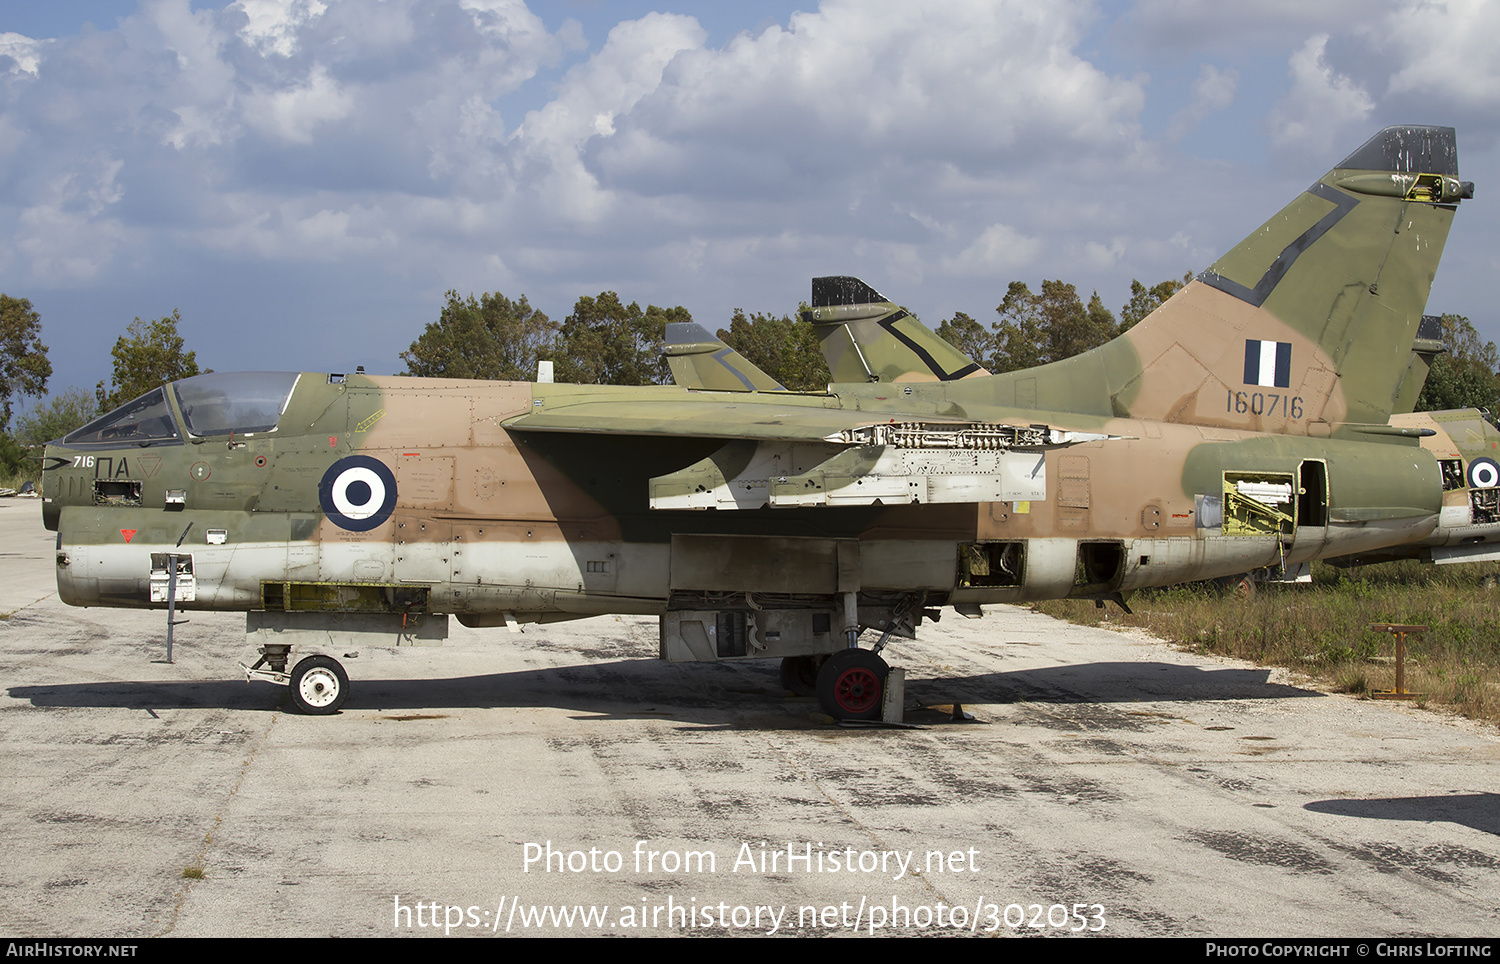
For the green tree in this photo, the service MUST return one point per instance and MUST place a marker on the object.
(490, 337)
(1144, 300)
(148, 354)
(1465, 375)
(57, 416)
(969, 337)
(17, 467)
(1048, 326)
(24, 368)
(605, 342)
(781, 347)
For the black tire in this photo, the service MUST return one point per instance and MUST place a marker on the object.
(800, 674)
(319, 686)
(851, 685)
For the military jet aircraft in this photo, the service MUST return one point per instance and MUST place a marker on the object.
(1246, 422)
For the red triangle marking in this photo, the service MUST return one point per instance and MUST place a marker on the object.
(128, 533)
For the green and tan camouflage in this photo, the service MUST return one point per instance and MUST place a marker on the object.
(1245, 423)
(867, 338)
(699, 360)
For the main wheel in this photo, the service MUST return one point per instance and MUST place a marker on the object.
(319, 685)
(800, 674)
(851, 684)
(1239, 587)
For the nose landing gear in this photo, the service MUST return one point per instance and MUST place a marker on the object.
(851, 684)
(318, 684)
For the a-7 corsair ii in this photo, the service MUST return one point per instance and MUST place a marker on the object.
(1246, 423)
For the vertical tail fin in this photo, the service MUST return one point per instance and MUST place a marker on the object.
(867, 338)
(1309, 322)
(698, 360)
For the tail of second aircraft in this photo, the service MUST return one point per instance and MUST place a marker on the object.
(1309, 322)
(867, 338)
(700, 361)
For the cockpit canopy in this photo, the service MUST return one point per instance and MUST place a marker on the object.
(239, 403)
(219, 403)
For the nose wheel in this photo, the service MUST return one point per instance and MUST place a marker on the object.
(319, 685)
(851, 685)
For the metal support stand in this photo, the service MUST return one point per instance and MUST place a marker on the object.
(1398, 630)
(172, 620)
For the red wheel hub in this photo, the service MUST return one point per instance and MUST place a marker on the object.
(857, 690)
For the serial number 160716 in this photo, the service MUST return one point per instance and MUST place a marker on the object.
(1269, 404)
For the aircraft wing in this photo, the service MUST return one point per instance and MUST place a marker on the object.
(692, 417)
(802, 455)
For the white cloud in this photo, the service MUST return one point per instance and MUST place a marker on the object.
(976, 84)
(1102, 257)
(25, 54)
(272, 25)
(1448, 52)
(292, 114)
(1175, 26)
(69, 233)
(408, 146)
(999, 249)
(1212, 91)
(1314, 116)
(507, 21)
(590, 97)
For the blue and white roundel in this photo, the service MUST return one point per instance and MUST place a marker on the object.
(1484, 474)
(357, 493)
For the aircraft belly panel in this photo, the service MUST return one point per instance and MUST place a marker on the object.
(552, 565)
(908, 564)
(763, 564)
(1347, 538)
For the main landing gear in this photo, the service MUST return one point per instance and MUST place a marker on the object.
(849, 684)
(318, 684)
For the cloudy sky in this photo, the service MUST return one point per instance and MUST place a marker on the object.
(304, 179)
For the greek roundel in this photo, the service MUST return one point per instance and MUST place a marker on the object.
(357, 493)
(1484, 474)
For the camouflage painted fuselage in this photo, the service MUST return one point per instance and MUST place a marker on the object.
(540, 523)
(1245, 423)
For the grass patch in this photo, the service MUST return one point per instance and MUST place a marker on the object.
(1323, 629)
(192, 873)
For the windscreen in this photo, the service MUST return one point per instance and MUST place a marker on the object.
(145, 419)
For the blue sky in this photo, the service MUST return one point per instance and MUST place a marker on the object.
(304, 180)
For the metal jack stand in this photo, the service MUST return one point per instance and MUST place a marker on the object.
(1398, 630)
(172, 621)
